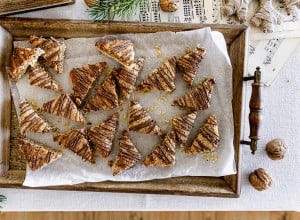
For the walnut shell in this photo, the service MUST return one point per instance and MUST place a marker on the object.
(276, 149)
(90, 3)
(169, 5)
(260, 179)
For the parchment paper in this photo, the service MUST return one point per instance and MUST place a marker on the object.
(70, 169)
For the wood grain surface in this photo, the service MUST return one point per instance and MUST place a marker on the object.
(152, 215)
(16, 6)
(235, 36)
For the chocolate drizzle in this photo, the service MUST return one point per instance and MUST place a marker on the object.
(118, 49)
(182, 125)
(141, 121)
(126, 77)
(199, 97)
(189, 64)
(105, 98)
(102, 135)
(83, 79)
(21, 59)
(162, 78)
(54, 51)
(37, 155)
(76, 141)
(164, 153)
(39, 76)
(208, 138)
(63, 106)
(30, 121)
(128, 155)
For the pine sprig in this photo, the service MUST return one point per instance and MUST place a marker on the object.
(107, 9)
(2, 199)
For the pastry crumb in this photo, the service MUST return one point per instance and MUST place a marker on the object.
(157, 51)
(151, 108)
(163, 99)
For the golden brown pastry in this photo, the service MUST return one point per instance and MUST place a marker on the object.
(141, 121)
(30, 121)
(54, 51)
(21, 59)
(38, 155)
(105, 97)
(162, 78)
(126, 77)
(163, 155)
(182, 126)
(63, 106)
(102, 135)
(118, 49)
(39, 76)
(208, 138)
(189, 64)
(128, 155)
(199, 97)
(83, 79)
(76, 141)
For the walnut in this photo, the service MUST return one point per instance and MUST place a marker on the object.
(260, 179)
(276, 149)
(169, 5)
(90, 3)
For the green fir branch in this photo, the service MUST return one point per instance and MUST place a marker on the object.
(2, 199)
(107, 9)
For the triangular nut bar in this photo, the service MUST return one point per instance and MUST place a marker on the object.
(126, 77)
(208, 138)
(128, 155)
(83, 79)
(199, 97)
(105, 98)
(21, 59)
(38, 155)
(63, 106)
(182, 125)
(54, 51)
(102, 135)
(39, 76)
(163, 154)
(141, 121)
(30, 121)
(120, 50)
(189, 64)
(162, 78)
(76, 141)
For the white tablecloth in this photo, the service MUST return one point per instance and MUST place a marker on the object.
(281, 120)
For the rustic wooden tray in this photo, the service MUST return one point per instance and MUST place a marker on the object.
(17, 6)
(12, 162)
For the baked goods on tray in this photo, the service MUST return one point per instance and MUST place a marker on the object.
(30, 121)
(76, 141)
(141, 121)
(63, 106)
(121, 50)
(102, 90)
(208, 138)
(127, 156)
(105, 98)
(189, 64)
(102, 135)
(199, 97)
(162, 78)
(54, 51)
(38, 155)
(21, 59)
(39, 76)
(83, 79)
(163, 154)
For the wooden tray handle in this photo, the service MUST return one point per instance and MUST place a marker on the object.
(255, 115)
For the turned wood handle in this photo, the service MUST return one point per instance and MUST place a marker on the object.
(255, 115)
